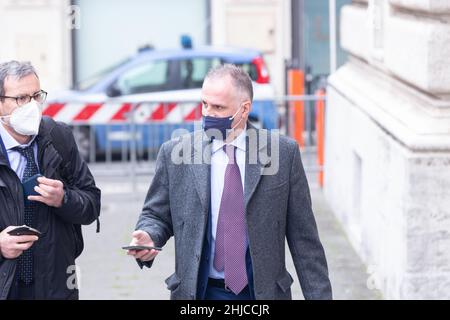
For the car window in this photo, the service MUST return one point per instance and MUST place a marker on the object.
(149, 77)
(193, 71)
(250, 68)
(97, 77)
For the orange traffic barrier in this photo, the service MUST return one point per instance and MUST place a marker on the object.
(296, 86)
(320, 129)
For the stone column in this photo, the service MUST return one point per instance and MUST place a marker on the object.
(387, 157)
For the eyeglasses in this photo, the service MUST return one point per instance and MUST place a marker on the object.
(39, 96)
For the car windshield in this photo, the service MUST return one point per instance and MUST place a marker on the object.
(95, 78)
(195, 67)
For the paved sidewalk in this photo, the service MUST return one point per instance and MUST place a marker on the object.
(108, 273)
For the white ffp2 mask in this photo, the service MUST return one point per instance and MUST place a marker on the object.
(25, 120)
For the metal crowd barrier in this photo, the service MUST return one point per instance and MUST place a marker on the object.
(133, 132)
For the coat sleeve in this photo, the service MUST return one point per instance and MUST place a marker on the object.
(303, 237)
(1, 257)
(83, 197)
(155, 218)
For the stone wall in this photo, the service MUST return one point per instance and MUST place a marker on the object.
(387, 157)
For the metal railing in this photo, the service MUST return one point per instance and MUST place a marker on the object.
(302, 117)
(133, 141)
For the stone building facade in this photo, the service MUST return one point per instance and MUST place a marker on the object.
(387, 159)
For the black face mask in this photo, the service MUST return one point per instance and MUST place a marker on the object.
(214, 125)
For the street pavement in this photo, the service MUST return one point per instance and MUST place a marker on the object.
(106, 272)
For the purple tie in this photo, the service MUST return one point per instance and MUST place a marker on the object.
(231, 242)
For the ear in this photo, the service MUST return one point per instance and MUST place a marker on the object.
(247, 107)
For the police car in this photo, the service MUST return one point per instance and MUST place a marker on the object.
(163, 87)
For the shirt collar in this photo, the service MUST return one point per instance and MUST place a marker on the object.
(239, 142)
(9, 142)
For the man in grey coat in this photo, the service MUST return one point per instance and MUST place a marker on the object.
(231, 194)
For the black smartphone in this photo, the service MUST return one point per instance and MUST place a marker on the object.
(141, 248)
(24, 231)
(29, 184)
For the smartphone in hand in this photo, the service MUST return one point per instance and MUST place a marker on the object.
(24, 231)
(29, 184)
(137, 248)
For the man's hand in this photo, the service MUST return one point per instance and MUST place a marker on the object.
(12, 246)
(51, 192)
(142, 238)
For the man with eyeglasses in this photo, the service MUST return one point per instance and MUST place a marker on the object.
(45, 185)
(39, 97)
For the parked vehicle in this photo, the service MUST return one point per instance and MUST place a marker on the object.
(170, 81)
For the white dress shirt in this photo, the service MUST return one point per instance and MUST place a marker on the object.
(16, 160)
(219, 161)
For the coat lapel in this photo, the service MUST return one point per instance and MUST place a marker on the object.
(253, 166)
(201, 168)
(252, 177)
(201, 164)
